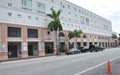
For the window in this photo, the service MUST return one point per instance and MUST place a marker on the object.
(9, 14)
(41, 7)
(46, 19)
(75, 14)
(32, 33)
(27, 3)
(84, 36)
(79, 10)
(52, 0)
(82, 19)
(29, 17)
(9, 2)
(69, 13)
(14, 32)
(69, 6)
(61, 3)
(82, 12)
(75, 9)
(36, 18)
(87, 21)
(63, 6)
(19, 15)
(69, 18)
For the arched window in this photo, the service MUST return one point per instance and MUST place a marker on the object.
(99, 37)
(61, 34)
(84, 36)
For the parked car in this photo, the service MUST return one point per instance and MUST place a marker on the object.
(95, 48)
(92, 48)
(81, 49)
(102, 47)
(85, 49)
(73, 51)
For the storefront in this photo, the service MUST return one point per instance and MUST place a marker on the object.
(14, 49)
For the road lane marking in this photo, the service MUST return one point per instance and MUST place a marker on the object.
(96, 66)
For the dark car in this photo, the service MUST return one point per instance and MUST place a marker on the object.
(85, 49)
(73, 51)
(95, 48)
(82, 49)
(99, 48)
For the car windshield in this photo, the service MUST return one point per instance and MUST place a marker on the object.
(73, 49)
(86, 47)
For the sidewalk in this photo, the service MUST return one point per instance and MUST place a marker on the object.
(30, 57)
(33, 57)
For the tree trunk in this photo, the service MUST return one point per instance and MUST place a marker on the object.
(76, 42)
(56, 41)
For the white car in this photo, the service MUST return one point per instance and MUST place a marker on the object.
(73, 51)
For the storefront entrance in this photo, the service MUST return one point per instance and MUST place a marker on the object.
(49, 48)
(84, 43)
(32, 48)
(62, 46)
(14, 49)
(90, 43)
(71, 45)
(78, 44)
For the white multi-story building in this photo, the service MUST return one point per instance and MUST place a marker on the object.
(23, 27)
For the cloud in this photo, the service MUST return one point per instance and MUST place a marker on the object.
(106, 8)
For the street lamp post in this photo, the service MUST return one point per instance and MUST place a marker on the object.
(119, 38)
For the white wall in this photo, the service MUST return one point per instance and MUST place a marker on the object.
(97, 24)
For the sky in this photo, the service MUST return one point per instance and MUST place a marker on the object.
(109, 9)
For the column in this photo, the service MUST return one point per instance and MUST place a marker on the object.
(24, 42)
(75, 41)
(81, 40)
(67, 40)
(3, 51)
(41, 43)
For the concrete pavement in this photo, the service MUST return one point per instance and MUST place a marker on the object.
(58, 65)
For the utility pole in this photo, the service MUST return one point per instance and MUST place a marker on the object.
(119, 40)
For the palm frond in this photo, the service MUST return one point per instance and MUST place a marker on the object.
(54, 13)
(70, 35)
(58, 13)
(50, 15)
(55, 24)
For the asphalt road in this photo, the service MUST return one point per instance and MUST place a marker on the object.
(101, 70)
(80, 64)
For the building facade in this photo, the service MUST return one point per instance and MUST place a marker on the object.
(24, 33)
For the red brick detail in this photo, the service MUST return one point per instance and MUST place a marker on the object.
(3, 32)
(0, 54)
(55, 50)
(41, 34)
(24, 31)
(41, 51)
(3, 53)
(24, 52)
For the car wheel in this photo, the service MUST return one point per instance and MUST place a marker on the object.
(90, 50)
(79, 52)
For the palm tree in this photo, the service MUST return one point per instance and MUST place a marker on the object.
(76, 34)
(70, 35)
(114, 36)
(55, 24)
